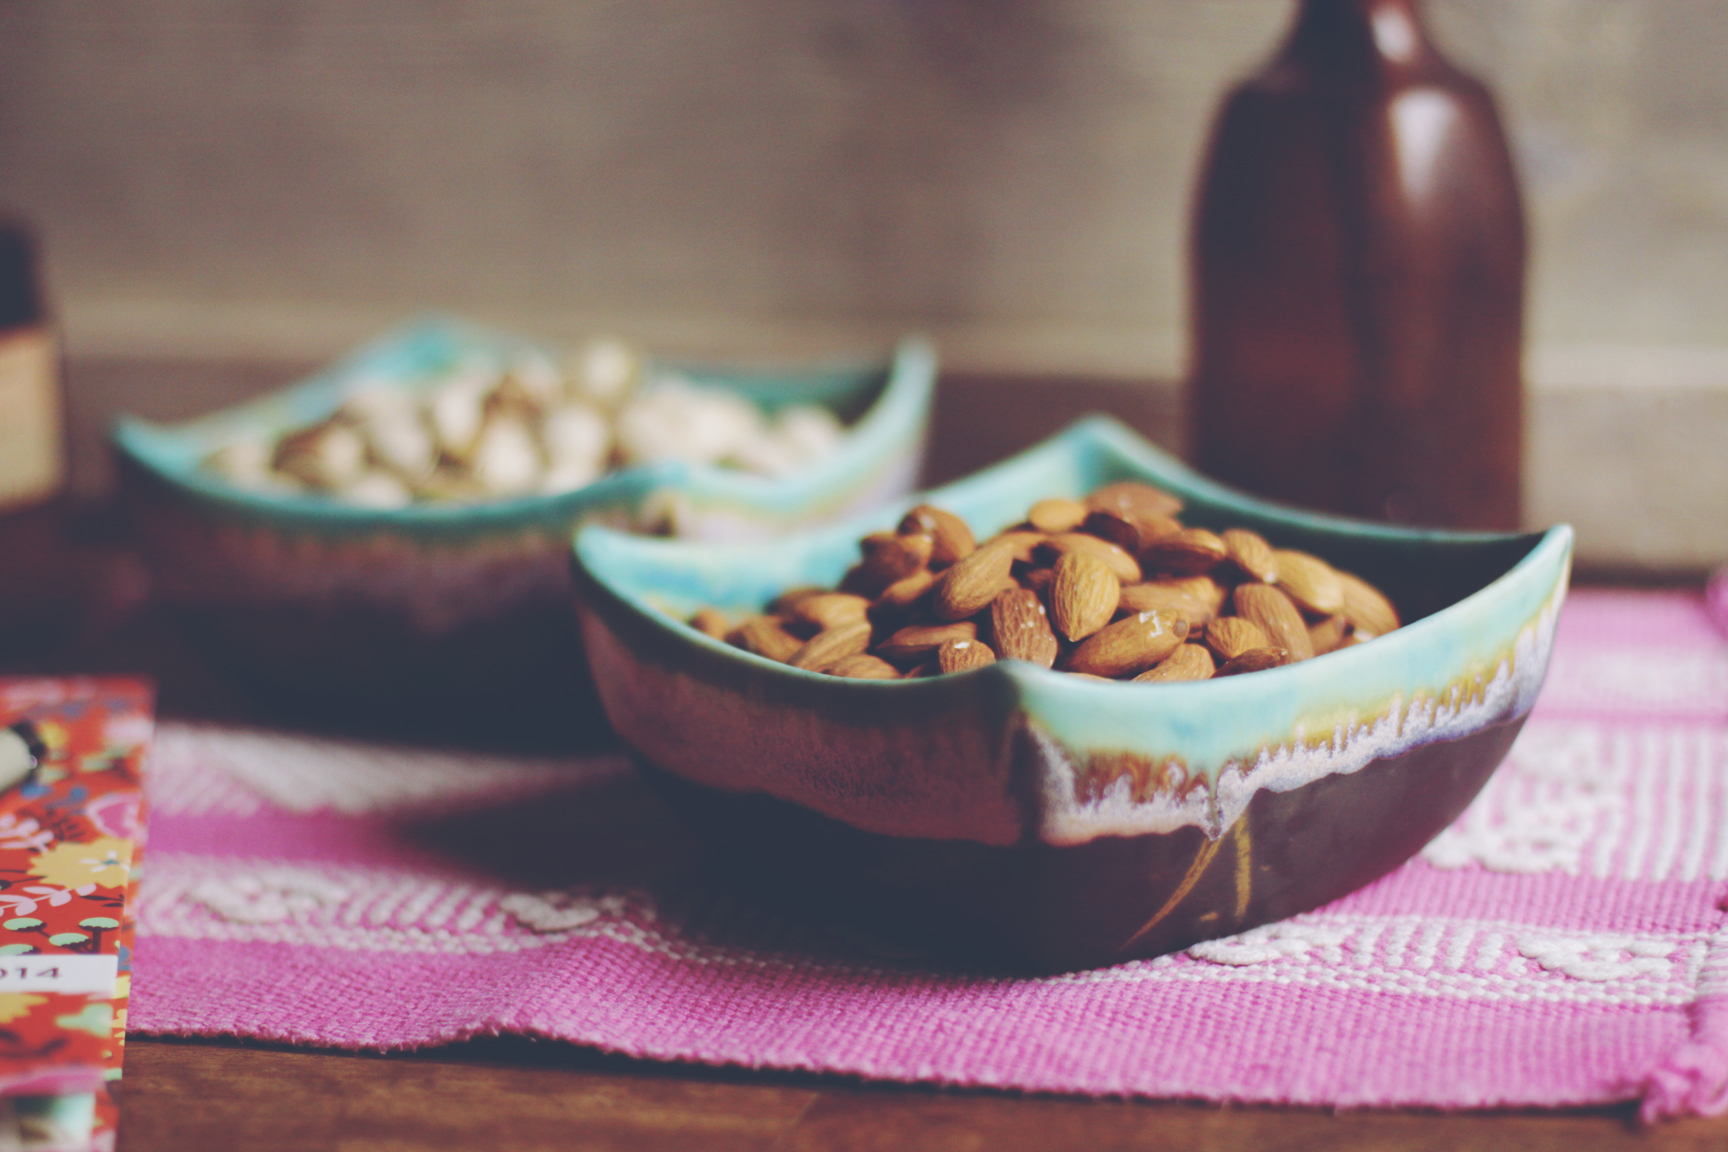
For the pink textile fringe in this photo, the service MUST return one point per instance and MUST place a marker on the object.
(1693, 1080)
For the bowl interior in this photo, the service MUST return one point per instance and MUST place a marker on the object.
(1422, 570)
(883, 404)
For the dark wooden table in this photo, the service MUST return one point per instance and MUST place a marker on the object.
(511, 1095)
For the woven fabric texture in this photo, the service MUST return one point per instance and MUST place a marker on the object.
(1563, 943)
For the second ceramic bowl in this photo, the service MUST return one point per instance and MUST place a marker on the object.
(448, 620)
(1030, 817)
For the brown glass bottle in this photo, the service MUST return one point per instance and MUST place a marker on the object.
(1358, 280)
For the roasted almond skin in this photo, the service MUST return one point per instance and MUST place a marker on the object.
(1188, 662)
(1129, 646)
(950, 538)
(1131, 496)
(969, 585)
(1310, 582)
(1204, 589)
(1021, 543)
(1185, 553)
(1326, 635)
(1129, 531)
(1083, 594)
(1126, 568)
(831, 646)
(1056, 515)
(1230, 636)
(783, 604)
(1276, 616)
(920, 640)
(864, 667)
(1254, 660)
(830, 609)
(1020, 625)
(711, 622)
(905, 592)
(889, 556)
(963, 655)
(765, 636)
(1366, 608)
(1171, 595)
(1250, 552)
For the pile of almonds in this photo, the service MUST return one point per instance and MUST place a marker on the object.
(488, 429)
(1110, 587)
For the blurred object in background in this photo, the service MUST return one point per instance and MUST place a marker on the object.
(47, 577)
(1358, 269)
(32, 437)
(32, 447)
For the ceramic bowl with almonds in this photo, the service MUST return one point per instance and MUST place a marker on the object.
(1083, 707)
(389, 539)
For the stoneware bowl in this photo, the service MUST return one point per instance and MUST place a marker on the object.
(1028, 817)
(454, 620)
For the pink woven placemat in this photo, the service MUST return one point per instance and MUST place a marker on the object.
(1562, 943)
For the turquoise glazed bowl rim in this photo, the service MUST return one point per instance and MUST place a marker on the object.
(411, 354)
(1476, 660)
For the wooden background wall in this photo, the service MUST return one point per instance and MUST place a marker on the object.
(262, 175)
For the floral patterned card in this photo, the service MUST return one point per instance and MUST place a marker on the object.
(70, 839)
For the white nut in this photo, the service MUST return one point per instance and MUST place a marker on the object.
(605, 370)
(376, 489)
(458, 412)
(577, 433)
(506, 458)
(326, 456)
(244, 462)
(674, 419)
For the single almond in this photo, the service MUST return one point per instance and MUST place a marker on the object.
(832, 645)
(1133, 496)
(830, 609)
(1128, 530)
(1020, 625)
(1250, 552)
(1166, 594)
(1125, 567)
(1188, 662)
(963, 655)
(783, 604)
(921, 640)
(1230, 636)
(1083, 595)
(1310, 582)
(950, 538)
(711, 622)
(765, 636)
(905, 592)
(864, 667)
(1366, 608)
(1276, 616)
(970, 584)
(860, 581)
(1185, 553)
(1326, 635)
(1056, 515)
(1204, 589)
(1254, 660)
(1021, 543)
(1129, 646)
(890, 556)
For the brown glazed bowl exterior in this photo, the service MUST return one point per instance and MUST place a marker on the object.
(1028, 818)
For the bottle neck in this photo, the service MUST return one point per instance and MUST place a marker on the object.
(1351, 35)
